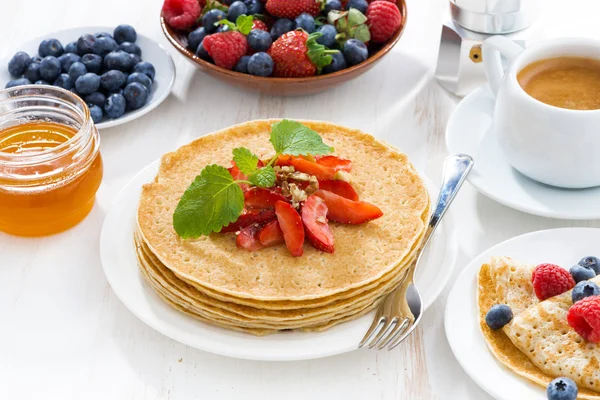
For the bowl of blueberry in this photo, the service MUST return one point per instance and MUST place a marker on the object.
(119, 73)
(284, 47)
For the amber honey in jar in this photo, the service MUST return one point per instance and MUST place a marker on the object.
(50, 164)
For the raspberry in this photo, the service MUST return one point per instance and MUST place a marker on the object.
(181, 14)
(226, 48)
(550, 280)
(258, 24)
(584, 317)
(384, 19)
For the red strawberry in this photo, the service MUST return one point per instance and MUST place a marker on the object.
(248, 238)
(292, 8)
(550, 280)
(308, 167)
(226, 48)
(314, 218)
(291, 226)
(339, 164)
(181, 14)
(262, 198)
(297, 54)
(271, 234)
(340, 188)
(584, 317)
(258, 24)
(238, 176)
(384, 19)
(250, 217)
(347, 211)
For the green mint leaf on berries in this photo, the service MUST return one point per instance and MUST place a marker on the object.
(213, 5)
(294, 139)
(245, 160)
(264, 177)
(212, 201)
(318, 54)
(243, 24)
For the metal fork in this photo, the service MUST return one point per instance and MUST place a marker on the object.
(401, 311)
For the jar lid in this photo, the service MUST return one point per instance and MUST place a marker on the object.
(493, 16)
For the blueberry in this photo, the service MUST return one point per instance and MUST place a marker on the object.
(281, 26)
(112, 80)
(253, 6)
(498, 316)
(87, 83)
(145, 68)
(211, 18)
(360, 5)
(259, 40)
(96, 113)
(135, 58)
(338, 63)
(136, 95)
(104, 45)
(71, 47)
(581, 273)
(355, 51)
(92, 62)
(584, 289)
(67, 59)
(306, 22)
(17, 64)
(202, 53)
(36, 59)
(41, 82)
(32, 72)
(17, 82)
(242, 65)
(64, 81)
(332, 5)
(85, 44)
(195, 37)
(140, 78)
(125, 33)
(76, 70)
(329, 32)
(50, 47)
(103, 34)
(50, 68)
(115, 106)
(117, 60)
(236, 9)
(260, 64)
(562, 389)
(96, 99)
(130, 48)
(591, 262)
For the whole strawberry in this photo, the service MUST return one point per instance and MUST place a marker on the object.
(181, 14)
(384, 19)
(292, 8)
(297, 54)
(550, 280)
(226, 48)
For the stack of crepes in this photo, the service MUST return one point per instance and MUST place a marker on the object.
(267, 291)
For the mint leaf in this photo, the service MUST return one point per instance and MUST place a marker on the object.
(244, 23)
(293, 138)
(245, 160)
(212, 201)
(264, 177)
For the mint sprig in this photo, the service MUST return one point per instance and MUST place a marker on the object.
(264, 177)
(245, 160)
(243, 24)
(294, 139)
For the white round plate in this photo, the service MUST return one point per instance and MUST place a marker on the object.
(563, 247)
(121, 269)
(469, 131)
(152, 52)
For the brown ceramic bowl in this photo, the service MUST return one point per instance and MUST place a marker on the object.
(285, 86)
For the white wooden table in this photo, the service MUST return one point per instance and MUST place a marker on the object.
(65, 335)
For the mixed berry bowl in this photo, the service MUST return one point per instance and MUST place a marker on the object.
(276, 82)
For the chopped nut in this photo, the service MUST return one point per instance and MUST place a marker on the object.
(313, 185)
(321, 219)
(310, 158)
(342, 176)
(298, 195)
(300, 176)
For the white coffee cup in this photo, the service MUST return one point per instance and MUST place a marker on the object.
(552, 145)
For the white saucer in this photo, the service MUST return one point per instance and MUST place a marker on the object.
(152, 52)
(121, 269)
(469, 132)
(563, 247)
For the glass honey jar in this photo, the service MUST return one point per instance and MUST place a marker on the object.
(50, 164)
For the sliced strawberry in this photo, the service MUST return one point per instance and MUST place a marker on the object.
(271, 234)
(341, 188)
(314, 218)
(262, 198)
(339, 164)
(250, 217)
(248, 238)
(291, 226)
(308, 167)
(238, 176)
(347, 211)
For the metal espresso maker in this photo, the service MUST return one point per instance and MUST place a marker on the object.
(470, 22)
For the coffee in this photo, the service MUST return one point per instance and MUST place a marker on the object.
(565, 82)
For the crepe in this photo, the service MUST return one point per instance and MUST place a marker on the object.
(538, 344)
